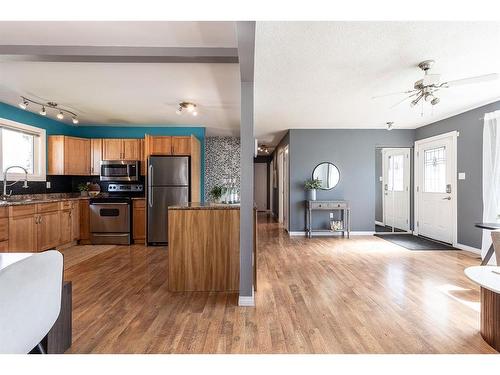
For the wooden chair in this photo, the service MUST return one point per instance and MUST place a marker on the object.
(495, 238)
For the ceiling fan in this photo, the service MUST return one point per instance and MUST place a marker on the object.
(425, 89)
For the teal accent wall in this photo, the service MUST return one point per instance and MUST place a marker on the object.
(54, 127)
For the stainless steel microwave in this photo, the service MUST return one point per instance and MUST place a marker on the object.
(120, 170)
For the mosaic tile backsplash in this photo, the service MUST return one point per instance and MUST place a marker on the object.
(222, 160)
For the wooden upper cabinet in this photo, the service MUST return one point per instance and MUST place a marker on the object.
(131, 149)
(112, 149)
(181, 145)
(68, 156)
(142, 151)
(158, 145)
(95, 156)
(120, 149)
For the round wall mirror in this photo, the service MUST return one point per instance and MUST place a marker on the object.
(329, 175)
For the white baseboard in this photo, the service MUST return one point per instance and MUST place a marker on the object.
(468, 248)
(379, 223)
(247, 301)
(328, 234)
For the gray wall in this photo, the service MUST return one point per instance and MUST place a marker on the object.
(379, 209)
(469, 161)
(222, 159)
(283, 143)
(353, 152)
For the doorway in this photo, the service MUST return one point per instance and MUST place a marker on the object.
(436, 188)
(260, 186)
(393, 169)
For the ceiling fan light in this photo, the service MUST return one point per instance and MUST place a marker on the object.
(428, 97)
(179, 111)
(195, 113)
(435, 101)
(190, 107)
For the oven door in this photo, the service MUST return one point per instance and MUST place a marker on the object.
(119, 170)
(109, 217)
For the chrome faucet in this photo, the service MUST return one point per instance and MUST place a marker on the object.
(5, 196)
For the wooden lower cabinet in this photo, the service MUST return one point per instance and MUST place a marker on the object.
(48, 230)
(22, 233)
(84, 223)
(139, 220)
(75, 220)
(66, 226)
(4, 246)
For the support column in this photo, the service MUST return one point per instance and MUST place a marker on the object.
(246, 53)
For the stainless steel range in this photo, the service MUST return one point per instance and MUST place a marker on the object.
(110, 215)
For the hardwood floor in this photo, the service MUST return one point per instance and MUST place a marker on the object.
(321, 295)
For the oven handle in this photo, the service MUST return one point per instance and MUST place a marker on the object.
(150, 185)
(110, 203)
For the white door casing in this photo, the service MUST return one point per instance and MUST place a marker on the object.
(396, 187)
(436, 187)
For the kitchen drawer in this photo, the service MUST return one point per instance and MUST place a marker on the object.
(66, 205)
(4, 246)
(4, 229)
(4, 211)
(24, 210)
(47, 207)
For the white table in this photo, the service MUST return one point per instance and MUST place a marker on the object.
(6, 259)
(488, 278)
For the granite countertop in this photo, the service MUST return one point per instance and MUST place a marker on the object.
(19, 200)
(205, 206)
(138, 198)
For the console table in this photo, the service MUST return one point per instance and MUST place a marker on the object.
(331, 206)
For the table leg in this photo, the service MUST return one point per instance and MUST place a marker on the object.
(488, 255)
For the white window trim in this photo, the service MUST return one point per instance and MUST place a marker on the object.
(40, 151)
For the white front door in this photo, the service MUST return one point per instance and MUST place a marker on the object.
(436, 187)
(396, 186)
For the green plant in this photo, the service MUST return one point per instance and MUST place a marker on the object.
(216, 192)
(312, 184)
(83, 187)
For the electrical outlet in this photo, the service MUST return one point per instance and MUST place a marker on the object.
(48, 184)
(461, 176)
(331, 215)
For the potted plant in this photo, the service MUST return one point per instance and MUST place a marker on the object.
(216, 193)
(83, 188)
(311, 186)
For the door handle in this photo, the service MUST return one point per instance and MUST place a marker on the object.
(150, 187)
(447, 199)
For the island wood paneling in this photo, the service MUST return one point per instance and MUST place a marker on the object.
(204, 249)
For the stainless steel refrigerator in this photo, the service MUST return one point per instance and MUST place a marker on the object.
(168, 185)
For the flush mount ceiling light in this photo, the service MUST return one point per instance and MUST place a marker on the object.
(187, 107)
(49, 105)
(263, 148)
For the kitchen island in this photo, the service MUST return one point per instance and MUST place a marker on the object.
(204, 247)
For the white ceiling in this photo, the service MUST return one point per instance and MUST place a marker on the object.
(133, 33)
(307, 74)
(323, 74)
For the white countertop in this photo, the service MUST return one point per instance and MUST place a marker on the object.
(6, 259)
(486, 276)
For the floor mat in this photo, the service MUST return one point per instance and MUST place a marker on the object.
(411, 242)
(386, 229)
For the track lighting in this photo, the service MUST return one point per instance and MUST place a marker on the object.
(188, 107)
(435, 101)
(389, 125)
(61, 113)
(24, 104)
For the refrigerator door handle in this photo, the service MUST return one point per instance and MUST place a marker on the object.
(150, 186)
